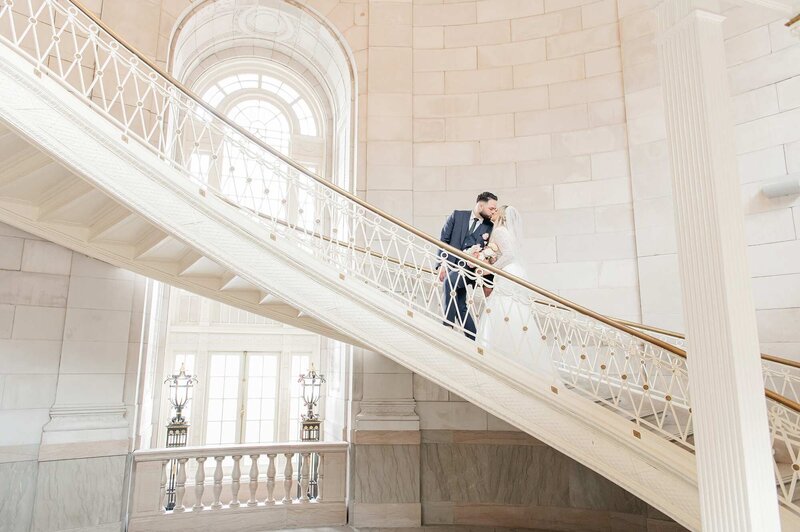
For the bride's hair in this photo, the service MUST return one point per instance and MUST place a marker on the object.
(510, 218)
(502, 218)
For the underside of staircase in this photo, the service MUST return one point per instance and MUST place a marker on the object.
(68, 175)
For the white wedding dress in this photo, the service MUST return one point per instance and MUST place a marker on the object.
(507, 325)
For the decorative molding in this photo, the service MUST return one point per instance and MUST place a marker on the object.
(399, 409)
(86, 417)
(71, 451)
(387, 437)
(386, 515)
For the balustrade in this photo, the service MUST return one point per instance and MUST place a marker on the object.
(221, 468)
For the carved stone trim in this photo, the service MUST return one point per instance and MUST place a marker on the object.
(86, 417)
(402, 409)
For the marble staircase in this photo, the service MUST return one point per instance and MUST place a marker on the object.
(83, 177)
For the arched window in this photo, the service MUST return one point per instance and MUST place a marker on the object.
(278, 107)
(273, 105)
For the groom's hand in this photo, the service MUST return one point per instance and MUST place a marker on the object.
(442, 273)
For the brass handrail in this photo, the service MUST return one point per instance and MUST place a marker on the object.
(792, 21)
(785, 401)
(779, 360)
(681, 336)
(355, 199)
(419, 234)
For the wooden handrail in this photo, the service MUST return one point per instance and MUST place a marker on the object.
(681, 336)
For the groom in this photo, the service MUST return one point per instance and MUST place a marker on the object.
(462, 230)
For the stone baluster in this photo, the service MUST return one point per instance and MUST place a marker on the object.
(215, 504)
(271, 479)
(253, 480)
(287, 479)
(304, 476)
(319, 477)
(180, 486)
(236, 474)
(163, 488)
(199, 483)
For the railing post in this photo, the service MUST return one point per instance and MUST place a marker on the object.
(215, 504)
(319, 477)
(180, 485)
(199, 483)
(236, 474)
(253, 480)
(304, 470)
(162, 498)
(287, 479)
(271, 479)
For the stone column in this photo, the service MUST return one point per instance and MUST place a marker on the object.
(385, 483)
(735, 472)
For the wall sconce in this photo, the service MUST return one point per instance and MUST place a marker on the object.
(785, 186)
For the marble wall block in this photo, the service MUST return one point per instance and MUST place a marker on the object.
(587, 489)
(79, 493)
(386, 473)
(495, 474)
(510, 479)
(17, 492)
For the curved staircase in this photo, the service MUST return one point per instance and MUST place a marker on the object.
(104, 154)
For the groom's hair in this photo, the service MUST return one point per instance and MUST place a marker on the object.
(486, 196)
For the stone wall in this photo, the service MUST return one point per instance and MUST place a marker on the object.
(510, 479)
(70, 331)
(422, 455)
(764, 68)
(524, 98)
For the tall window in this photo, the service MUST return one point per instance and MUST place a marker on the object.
(247, 368)
(244, 397)
(222, 414)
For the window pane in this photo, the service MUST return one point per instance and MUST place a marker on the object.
(261, 393)
(213, 432)
(215, 409)
(223, 398)
(216, 387)
(228, 432)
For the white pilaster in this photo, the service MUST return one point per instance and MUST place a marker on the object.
(737, 487)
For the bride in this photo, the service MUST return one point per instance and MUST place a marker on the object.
(507, 325)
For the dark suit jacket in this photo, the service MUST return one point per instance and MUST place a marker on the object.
(455, 232)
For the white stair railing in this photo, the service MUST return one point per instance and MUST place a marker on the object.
(641, 377)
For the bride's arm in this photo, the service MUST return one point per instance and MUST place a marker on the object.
(502, 238)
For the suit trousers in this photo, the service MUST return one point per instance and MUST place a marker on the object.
(456, 310)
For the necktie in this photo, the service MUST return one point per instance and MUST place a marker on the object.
(473, 225)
